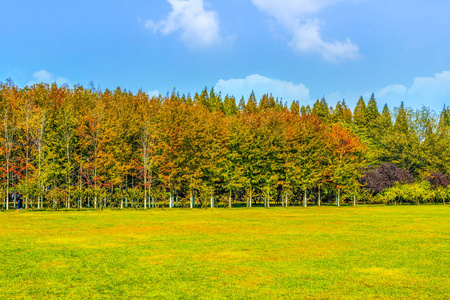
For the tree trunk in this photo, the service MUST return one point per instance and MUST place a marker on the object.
(304, 199)
(229, 200)
(339, 198)
(145, 179)
(319, 197)
(354, 200)
(7, 185)
(212, 202)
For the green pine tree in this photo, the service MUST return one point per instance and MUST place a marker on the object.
(241, 106)
(359, 115)
(230, 105)
(295, 107)
(252, 105)
(372, 113)
(386, 120)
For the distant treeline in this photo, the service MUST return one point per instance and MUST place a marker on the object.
(79, 147)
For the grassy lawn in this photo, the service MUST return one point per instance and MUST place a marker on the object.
(396, 252)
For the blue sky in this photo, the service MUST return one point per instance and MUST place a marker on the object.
(295, 49)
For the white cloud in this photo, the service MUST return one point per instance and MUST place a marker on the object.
(390, 90)
(262, 85)
(350, 98)
(199, 27)
(291, 9)
(432, 88)
(44, 76)
(307, 40)
(154, 93)
(432, 92)
(295, 16)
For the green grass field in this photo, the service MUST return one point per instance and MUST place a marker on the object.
(396, 252)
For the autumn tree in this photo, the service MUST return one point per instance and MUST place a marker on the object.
(346, 157)
(9, 124)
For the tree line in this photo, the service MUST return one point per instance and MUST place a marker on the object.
(82, 147)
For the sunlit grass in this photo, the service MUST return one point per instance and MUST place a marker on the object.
(317, 253)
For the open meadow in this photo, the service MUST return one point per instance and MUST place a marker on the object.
(392, 252)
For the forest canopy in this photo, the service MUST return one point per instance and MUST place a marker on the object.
(78, 147)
